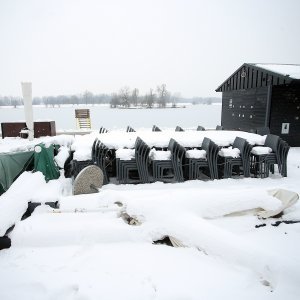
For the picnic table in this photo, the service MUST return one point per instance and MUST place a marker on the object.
(189, 139)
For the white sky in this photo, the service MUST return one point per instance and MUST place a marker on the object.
(66, 47)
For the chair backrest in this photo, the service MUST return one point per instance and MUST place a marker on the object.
(130, 129)
(206, 144)
(200, 128)
(155, 128)
(178, 128)
(239, 143)
(103, 130)
(219, 127)
(272, 141)
(94, 146)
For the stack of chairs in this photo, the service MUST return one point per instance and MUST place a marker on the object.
(198, 166)
(161, 169)
(175, 164)
(155, 128)
(103, 130)
(178, 128)
(262, 164)
(101, 158)
(240, 162)
(129, 129)
(178, 161)
(200, 128)
(139, 163)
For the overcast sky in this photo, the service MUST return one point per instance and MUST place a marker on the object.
(67, 47)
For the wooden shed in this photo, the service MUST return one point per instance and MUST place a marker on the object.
(263, 95)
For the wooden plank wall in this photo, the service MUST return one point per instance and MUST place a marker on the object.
(285, 108)
(248, 77)
(244, 109)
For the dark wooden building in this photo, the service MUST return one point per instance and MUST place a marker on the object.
(263, 95)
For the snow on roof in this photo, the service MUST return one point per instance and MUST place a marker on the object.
(290, 70)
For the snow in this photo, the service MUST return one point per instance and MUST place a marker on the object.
(160, 155)
(125, 154)
(285, 69)
(260, 150)
(85, 250)
(195, 153)
(62, 156)
(10, 144)
(230, 152)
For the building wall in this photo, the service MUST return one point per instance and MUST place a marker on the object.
(244, 109)
(285, 108)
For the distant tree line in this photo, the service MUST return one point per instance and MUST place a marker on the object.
(125, 98)
(86, 98)
(130, 98)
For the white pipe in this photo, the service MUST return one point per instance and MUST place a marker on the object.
(27, 96)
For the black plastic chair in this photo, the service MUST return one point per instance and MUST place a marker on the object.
(103, 160)
(139, 164)
(103, 130)
(261, 162)
(200, 128)
(162, 170)
(279, 158)
(209, 164)
(241, 163)
(178, 159)
(129, 129)
(178, 128)
(155, 128)
(198, 166)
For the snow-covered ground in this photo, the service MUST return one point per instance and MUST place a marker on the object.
(85, 250)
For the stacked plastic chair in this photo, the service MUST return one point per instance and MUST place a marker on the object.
(102, 159)
(178, 128)
(129, 129)
(160, 167)
(155, 128)
(178, 159)
(242, 161)
(140, 163)
(103, 130)
(264, 163)
(196, 166)
(279, 158)
(200, 128)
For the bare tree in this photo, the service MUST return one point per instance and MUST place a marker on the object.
(134, 97)
(150, 99)
(162, 95)
(124, 96)
(115, 101)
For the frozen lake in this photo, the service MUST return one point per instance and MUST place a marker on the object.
(189, 117)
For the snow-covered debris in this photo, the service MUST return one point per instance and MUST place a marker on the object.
(14, 202)
(62, 156)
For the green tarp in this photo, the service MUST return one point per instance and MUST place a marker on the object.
(44, 162)
(12, 165)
